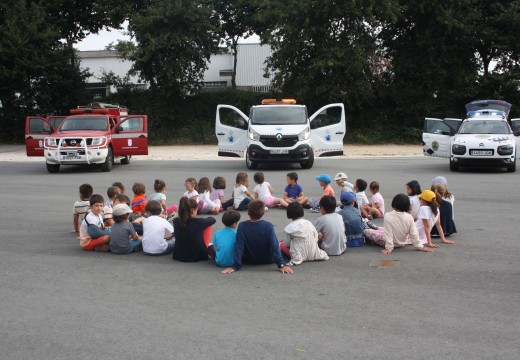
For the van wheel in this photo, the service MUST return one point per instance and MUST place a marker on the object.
(308, 164)
(251, 165)
(53, 168)
(109, 161)
(453, 166)
(126, 160)
(511, 167)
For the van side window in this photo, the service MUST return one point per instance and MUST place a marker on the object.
(328, 117)
(229, 117)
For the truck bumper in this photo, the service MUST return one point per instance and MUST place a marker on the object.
(75, 157)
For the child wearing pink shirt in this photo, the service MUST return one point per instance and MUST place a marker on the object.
(376, 207)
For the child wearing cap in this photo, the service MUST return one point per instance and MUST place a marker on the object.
(341, 181)
(427, 217)
(324, 181)
(352, 220)
(123, 238)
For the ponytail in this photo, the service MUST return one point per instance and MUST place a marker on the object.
(185, 207)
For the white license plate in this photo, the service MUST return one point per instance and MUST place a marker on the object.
(279, 151)
(482, 152)
(71, 155)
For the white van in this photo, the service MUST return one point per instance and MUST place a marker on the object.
(280, 131)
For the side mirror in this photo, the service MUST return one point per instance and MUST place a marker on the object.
(119, 128)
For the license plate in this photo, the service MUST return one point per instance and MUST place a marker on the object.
(481, 152)
(279, 151)
(71, 155)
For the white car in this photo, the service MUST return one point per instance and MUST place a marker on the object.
(280, 131)
(483, 139)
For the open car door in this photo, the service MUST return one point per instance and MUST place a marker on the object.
(328, 127)
(231, 130)
(130, 136)
(55, 121)
(36, 130)
(437, 136)
(515, 126)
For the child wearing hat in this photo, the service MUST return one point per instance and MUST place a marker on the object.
(341, 180)
(123, 231)
(352, 220)
(427, 217)
(327, 190)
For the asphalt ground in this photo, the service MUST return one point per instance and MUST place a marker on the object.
(60, 302)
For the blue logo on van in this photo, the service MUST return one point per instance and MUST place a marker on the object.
(279, 129)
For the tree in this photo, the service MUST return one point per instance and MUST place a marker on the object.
(235, 19)
(175, 39)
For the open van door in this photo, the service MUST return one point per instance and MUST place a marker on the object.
(36, 130)
(328, 127)
(231, 126)
(515, 126)
(130, 136)
(437, 136)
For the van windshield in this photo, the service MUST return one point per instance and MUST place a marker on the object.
(279, 115)
(73, 123)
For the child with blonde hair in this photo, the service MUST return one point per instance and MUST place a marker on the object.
(446, 212)
(191, 189)
(264, 192)
(241, 195)
(209, 206)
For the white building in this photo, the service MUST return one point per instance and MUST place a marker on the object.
(250, 69)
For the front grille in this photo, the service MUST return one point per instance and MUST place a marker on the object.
(285, 141)
(69, 142)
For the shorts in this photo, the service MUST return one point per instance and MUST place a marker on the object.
(269, 201)
(95, 242)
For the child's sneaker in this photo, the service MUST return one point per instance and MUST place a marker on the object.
(266, 208)
(171, 216)
(315, 210)
(371, 225)
(306, 206)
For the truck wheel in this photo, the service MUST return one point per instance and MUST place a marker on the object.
(308, 163)
(251, 165)
(453, 166)
(53, 168)
(511, 167)
(126, 160)
(109, 161)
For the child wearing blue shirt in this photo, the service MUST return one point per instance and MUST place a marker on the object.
(223, 247)
(293, 191)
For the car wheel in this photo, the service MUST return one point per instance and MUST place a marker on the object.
(126, 160)
(53, 168)
(453, 166)
(251, 165)
(511, 167)
(308, 163)
(109, 161)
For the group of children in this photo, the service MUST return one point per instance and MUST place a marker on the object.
(123, 226)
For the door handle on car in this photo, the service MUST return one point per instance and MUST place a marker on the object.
(339, 133)
(221, 134)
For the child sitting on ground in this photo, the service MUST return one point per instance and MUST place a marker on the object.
(301, 238)
(359, 188)
(264, 192)
(344, 185)
(376, 207)
(120, 186)
(445, 212)
(191, 189)
(135, 219)
(241, 195)
(107, 210)
(399, 226)
(428, 217)
(256, 241)
(293, 191)
(223, 247)
(190, 245)
(327, 190)
(157, 231)
(352, 220)
(219, 185)
(92, 234)
(81, 206)
(139, 200)
(160, 196)
(413, 189)
(123, 231)
(208, 206)
(330, 227)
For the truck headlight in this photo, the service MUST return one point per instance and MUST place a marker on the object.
(304, 135)
(253, 135)
(51, 142)
(98, 141)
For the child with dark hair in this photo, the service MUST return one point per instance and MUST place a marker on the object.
(399, 226)
(157, 232)
(413, 189)
(135, 219)
(301, 238)
(241, 195)
(123, 231)
(219, 185)
(81, 206)
(330, 227)
(190, 245)
(427, 217)
(293, 191)
(92, 234)
(207, 205)
(139, 200)
(359, 188)
(256, 241)
(223, 247)
(159, 195)
(112, 191)
(264, 192)
(120, 186)
(445, 212)
(376, 207)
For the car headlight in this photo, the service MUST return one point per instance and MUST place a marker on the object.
(98, 141)
(51, 142)
(253, 135)
(505, 150)
(457, 149)
(304, 135)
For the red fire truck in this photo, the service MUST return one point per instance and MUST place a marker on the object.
(94, 134)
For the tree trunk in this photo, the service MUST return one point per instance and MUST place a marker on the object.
(234, 48)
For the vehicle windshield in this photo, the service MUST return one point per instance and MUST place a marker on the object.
(278, 115)
(93, 122)
(484, 127)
